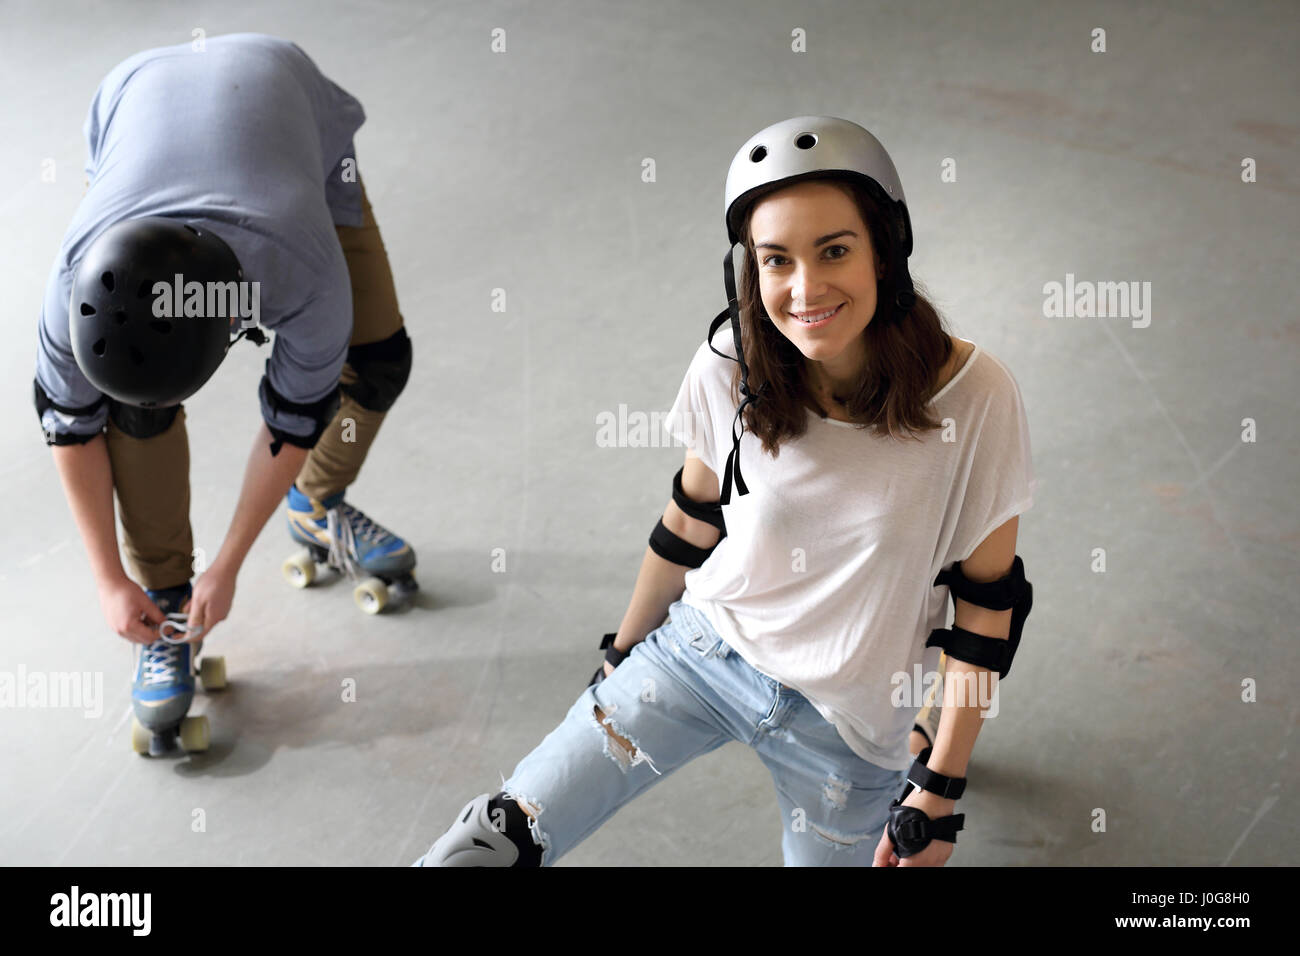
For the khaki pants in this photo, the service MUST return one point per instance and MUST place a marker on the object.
(152, 475)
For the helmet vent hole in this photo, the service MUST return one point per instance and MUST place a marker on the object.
(145, 288)
(107, 279)
(758, 154)
(158, 325)
(137, 357)
(805, 141)
(98, 347)
(192, 229)
(119, 317)
(87, 309)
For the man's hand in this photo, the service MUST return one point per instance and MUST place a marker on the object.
(938, 851)
(214, 593)
(129, 611)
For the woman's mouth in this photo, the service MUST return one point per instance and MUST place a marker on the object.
(813, 320)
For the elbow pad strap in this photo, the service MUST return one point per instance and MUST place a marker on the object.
(322, 411)
(1011, 591)
(710, 512)
(44, 403)
(672, 548)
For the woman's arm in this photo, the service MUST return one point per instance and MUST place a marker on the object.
(661, 582)
(968, 689)
(969, 686)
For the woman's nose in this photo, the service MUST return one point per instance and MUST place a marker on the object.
(807, 286)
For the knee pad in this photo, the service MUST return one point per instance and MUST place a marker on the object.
(382, 370)
(474, 840)
(142, 422)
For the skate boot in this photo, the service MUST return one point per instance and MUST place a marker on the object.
(163, 686)
(336, 534)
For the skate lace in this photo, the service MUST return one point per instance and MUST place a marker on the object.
(163, 656)
(364, 527)
(162, 660)
(346, 525)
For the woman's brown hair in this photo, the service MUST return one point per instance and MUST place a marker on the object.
(903, 356)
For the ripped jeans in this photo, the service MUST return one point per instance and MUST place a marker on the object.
(683, 692)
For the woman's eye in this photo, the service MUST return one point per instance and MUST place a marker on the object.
(844, 251)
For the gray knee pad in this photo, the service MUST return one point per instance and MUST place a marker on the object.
(142, 422)
(473, 841)
(382, 370)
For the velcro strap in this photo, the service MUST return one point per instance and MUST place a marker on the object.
(996, 595)
(708, 512)
(950, 788)
(612, 653)
(963, 645)
(672, 548)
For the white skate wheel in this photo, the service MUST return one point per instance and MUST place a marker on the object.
(195, 734)
(139, 737)
(212, 673)
(300, 570)
(371, 595)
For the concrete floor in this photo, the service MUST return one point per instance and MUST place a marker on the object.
(522, 171)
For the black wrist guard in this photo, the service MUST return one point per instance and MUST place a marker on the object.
(612, 654)
(909, 829)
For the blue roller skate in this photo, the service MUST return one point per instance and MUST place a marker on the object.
(163, 687)
(338, 535)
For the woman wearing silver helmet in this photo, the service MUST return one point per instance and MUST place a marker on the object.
(885, 465)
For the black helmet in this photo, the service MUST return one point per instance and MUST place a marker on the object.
(131, 344)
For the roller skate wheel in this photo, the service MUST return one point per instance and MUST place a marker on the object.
(212, 672)
(300, 570)
(195, 734)
(371, 595)
(140, 736)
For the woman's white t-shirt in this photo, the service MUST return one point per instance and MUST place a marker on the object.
(825, 579)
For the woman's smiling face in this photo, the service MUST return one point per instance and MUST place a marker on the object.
(814, 256)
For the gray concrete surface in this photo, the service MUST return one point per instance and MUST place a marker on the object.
(522, 171)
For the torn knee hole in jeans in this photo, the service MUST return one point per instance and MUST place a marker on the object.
(835, 791)
(532, 809)
(618, 746)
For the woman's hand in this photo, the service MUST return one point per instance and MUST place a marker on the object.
(214, 593)
(129, 612)
(937, 852)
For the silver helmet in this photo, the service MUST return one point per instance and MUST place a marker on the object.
(807, 147)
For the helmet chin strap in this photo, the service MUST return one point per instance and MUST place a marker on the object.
(255, 335)
(904, 297)
(732, 312)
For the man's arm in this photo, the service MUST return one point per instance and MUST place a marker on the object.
(87, 477)
(266, 481)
